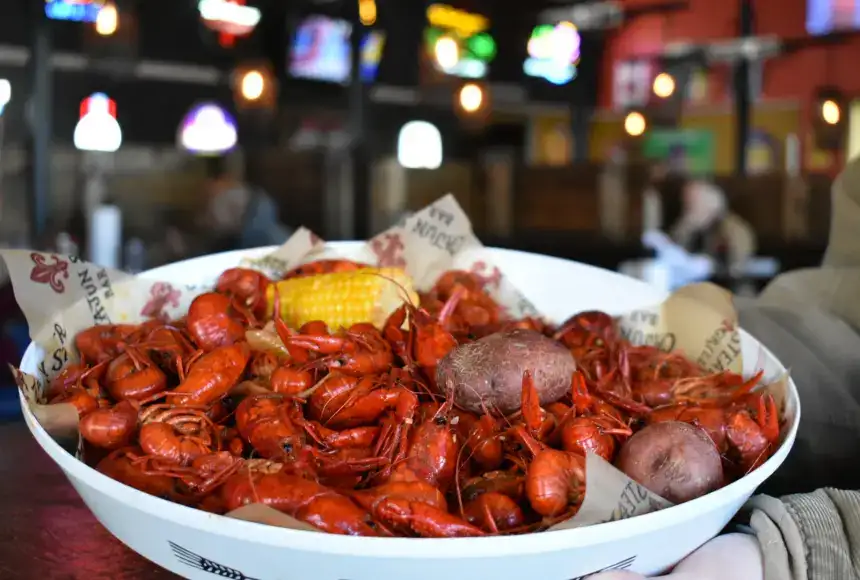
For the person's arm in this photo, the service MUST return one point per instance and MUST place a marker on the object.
(813, 536)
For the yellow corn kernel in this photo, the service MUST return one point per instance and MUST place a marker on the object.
(341, 299)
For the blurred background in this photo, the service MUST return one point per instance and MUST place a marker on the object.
(671, 140)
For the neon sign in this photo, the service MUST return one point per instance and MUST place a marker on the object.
(476, 48)
(463, 23)
(207, 129)
(230, 18)
(554, 52)
(73, 10)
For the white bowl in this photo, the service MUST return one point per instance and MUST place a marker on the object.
(199, 545)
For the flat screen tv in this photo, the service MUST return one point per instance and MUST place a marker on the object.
(321, 51)
(826, 16)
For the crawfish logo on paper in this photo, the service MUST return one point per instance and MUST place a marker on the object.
(197, 561)
(621, 565)
(388, 249)
(51, 273)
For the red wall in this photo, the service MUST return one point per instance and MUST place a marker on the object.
(793, 76)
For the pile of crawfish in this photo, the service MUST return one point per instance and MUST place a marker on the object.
(345, 430)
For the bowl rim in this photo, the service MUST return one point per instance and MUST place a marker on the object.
(411, 548)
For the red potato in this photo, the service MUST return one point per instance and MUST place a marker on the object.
(488, 374)
(675, 460)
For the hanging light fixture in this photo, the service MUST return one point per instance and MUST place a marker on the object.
(98, 128)
(207, 129)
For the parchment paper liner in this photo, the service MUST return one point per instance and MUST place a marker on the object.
(61, 296)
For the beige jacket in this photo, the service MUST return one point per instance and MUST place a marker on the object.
(810, 319)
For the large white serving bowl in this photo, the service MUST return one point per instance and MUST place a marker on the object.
(199, 545)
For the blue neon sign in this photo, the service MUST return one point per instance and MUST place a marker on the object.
(72, 10)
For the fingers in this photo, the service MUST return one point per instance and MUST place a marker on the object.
(735, 556)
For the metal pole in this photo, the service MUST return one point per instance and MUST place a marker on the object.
(357, 126)
(743, 108)
(41, 121)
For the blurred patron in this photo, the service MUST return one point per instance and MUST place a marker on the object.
(705, 225)
(239, 215)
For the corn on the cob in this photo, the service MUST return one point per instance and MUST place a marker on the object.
(341, 299)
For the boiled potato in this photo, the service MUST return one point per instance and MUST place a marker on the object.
(488, 374)
(675, 460)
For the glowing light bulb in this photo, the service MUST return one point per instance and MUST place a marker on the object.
(447, 53)
(107, 20)
(634, 124)
(664, 85)
(5, 92)
(419, 146)
(253, 85)
(830, 112)
(471, 98)
(367, 12)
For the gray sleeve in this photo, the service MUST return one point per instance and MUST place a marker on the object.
(823, 354)
(813, 536)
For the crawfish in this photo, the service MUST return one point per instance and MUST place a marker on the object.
(266, 423)
(424, 519)
(122, 466)
(342, 401)
(166, 345)
(79, 386)
(494, 512)
(596, 428)
(214, 320)
(110, 428)
(133, 375)
(431, 341)
(413, 506)
(103, 342)
(263, 365)
(291, 380)
(301, 498)
(510, 483)
(432, 453)
(483, 438)
(475, 308)
(590, 336)
(75, 375)
(555, 480)
(275, 428)
(324, 267)
(355, 438)
(753, 433)
(81, 399)
(177, 435)
(717, 389)
(212, 375)
(540, 422)
(247, 286)
(362, 350)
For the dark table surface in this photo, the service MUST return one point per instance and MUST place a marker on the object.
(46, 531)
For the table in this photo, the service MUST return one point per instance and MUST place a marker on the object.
(46, 531)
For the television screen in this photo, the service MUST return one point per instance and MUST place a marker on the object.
(321, 51)
(826, 16)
